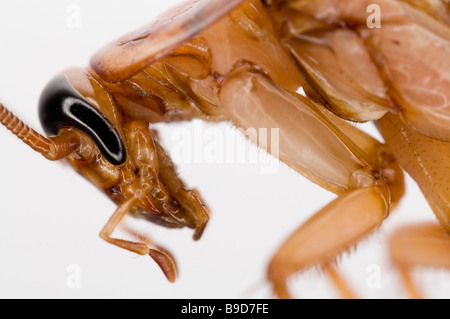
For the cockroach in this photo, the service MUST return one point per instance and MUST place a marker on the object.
(306, 67)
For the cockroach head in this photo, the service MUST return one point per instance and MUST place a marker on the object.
(61, 106)
(120, 155)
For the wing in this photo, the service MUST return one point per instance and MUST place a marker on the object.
(128, 55)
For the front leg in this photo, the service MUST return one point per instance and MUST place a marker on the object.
(144, 247)
(148, 187)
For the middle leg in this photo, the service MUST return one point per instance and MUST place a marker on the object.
(333, 230)
(329, 152)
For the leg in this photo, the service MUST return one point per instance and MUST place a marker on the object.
(162, 258)
(336, 228)
(331, 153)
(419, 245)
(116, 218)
(340, 284)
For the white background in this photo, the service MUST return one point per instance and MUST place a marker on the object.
(50, 217)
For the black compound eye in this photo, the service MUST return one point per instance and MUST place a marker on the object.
(61, 106)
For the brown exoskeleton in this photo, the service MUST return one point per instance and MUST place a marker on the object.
(245, 61)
